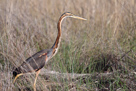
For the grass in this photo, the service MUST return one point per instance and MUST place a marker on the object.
(103, 47)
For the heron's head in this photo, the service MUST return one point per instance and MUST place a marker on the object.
(68, 14)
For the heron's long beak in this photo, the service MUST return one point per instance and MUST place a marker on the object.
(78, 17)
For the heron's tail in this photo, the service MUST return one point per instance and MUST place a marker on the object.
(16, 72)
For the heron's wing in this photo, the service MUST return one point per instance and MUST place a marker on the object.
(33, 63)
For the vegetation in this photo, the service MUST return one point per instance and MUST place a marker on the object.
(95, 55)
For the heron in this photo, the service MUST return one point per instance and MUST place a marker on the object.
(37, 61)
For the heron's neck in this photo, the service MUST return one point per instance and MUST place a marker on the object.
(58, 39)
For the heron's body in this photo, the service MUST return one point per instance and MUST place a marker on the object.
(37, 61)
(33, 63)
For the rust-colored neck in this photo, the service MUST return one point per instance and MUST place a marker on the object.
(58, 39)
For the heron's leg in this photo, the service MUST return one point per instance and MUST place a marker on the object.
(37, 73)
(17, 77)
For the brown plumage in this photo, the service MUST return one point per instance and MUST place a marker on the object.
(38, 60)
(33, 63)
